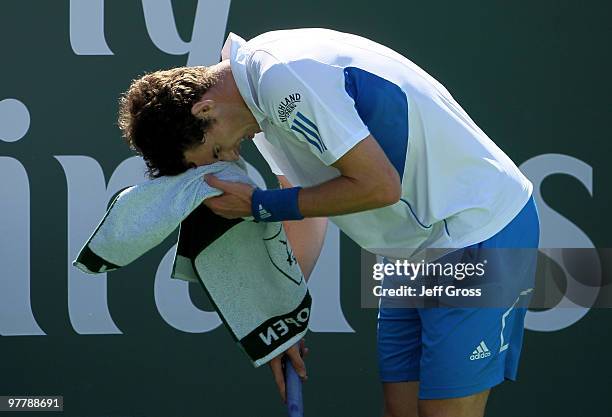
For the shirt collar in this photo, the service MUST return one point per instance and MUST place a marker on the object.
(235, 50)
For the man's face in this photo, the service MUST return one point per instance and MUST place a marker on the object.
(229, 127)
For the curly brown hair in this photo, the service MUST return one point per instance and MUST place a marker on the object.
(155, 116)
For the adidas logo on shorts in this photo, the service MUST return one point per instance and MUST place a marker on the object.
(481, 352)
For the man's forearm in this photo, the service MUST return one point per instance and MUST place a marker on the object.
(342, 195)
(367, 181)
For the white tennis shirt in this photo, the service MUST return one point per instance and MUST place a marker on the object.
(316, 93)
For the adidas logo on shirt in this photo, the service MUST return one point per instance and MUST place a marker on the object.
(263, 213)
(481, 352)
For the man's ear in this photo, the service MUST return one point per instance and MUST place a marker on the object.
(202, 108)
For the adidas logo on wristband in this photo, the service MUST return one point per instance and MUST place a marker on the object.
(263, 213)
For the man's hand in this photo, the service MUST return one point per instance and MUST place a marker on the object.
(296, 357)
(235, 201)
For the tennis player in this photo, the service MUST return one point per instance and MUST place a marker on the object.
(357, 133)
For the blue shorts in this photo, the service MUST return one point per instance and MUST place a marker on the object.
(456, 352)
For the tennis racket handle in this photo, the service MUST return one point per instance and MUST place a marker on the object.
(293, 390)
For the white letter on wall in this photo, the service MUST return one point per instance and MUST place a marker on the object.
(558, 232)
(87, 28)
(16, 316)
(206, 37)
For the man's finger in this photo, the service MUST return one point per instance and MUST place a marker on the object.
(277, 371)
(217, 183)
(297, 362)
(303, 349)
(229, 187)
(225, 186)
(214, 203)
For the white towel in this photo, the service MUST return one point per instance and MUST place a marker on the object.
(247, 268)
